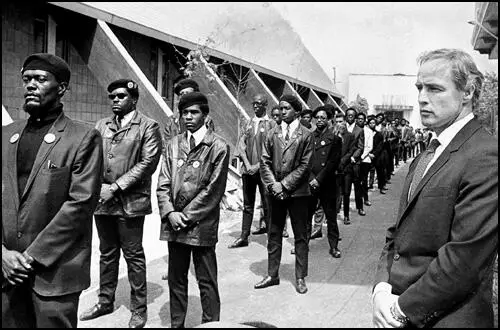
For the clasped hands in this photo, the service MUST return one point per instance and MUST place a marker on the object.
(382, 302)
(178, 220)
(277, 191)
(16, 266)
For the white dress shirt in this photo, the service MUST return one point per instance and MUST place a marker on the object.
(350, 128)
(256, 120)
(198, 135)
(293, 126)
(368, 145)
(127, 118)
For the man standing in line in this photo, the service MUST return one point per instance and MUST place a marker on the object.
(191, 184)
(325, 161)
(51, 177)
(285, 167)
(436, 269)
(359, 138)
(377, 154)
(366, 157)
(132, 149)
(250, 152)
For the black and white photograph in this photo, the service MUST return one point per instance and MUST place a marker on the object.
(249, 164)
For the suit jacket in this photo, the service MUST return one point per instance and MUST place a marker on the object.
(326, 157)
(53, 219)
(248, 141)
(288, 163)
(348, 148)
(193, 182)
(378, 147)
(359, 142)
(440, 253)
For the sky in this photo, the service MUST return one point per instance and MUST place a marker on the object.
(383, 37)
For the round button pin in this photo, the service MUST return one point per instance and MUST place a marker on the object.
(196, 164)
(14, 138)
(322, 143)
(49, 138)
(180, 162)
(262, 129)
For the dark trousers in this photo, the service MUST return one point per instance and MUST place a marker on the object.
(250, 184)
(299, 217)
(327, 198)
(205, 267)
(380, 168)
(371, 177)
(117, 233)
(344, 182)
(23, 308)
(358, 187)
(389, 161)
(363, 173)
(395, 153)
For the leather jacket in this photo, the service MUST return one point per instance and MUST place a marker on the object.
(193, 182)
(326, 157)
(131, 155)
(288, 163)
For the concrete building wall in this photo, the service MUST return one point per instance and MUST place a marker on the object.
(85, 100)
(381, 89)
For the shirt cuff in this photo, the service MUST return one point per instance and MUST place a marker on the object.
(382, 286)
(399, 308)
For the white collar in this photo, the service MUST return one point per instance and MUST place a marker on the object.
(127, 118)
(257, 119)
(350, 127)
(198, 135)
(451, 131)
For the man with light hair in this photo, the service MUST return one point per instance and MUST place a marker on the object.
(436, 268)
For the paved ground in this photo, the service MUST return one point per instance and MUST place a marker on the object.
(339, 289)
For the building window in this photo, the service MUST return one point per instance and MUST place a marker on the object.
(153, 66)
(40, 35)
(62, 44)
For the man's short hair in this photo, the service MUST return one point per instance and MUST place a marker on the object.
(352, 109)
(340, 115)
(194, 98)
(464, 71)
(327, 110)
(306, 112)
(361, 114)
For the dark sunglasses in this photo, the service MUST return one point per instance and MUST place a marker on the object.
(121, 96)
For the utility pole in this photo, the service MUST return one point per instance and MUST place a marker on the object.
(335, 77)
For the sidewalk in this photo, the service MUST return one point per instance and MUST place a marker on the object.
(339, 289)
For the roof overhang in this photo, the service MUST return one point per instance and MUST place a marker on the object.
(97, 10)
(486, 18)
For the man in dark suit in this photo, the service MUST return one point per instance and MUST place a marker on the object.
(436, 268)
(132, 149)
(250, 151)
(325, 161)
(51, 177)
(191, 185)
(359, 142)
(377, 154)
(344, 171)
(284, 167)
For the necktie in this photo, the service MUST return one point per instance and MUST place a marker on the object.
(192, 144)
(422, 165)
(287, 136)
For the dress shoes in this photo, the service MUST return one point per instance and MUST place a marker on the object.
(240, 242)
(347, 221)
(138, 320)
(316, 234)
(96, 311)
(361, 212)
(301, 286)
(335, 253)
(368, 203)
(267, 281)
(260, 231)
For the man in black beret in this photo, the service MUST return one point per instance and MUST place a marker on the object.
(132, 149)
(191, 184)
(51, 177)
(285, 167)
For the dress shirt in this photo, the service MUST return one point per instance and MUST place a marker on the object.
(127, 118)
(198, 135)
(368, 144)
(293, 126)
(350, 128)
(256, 121)
(446, 136)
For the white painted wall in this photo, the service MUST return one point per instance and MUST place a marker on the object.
(381, 89)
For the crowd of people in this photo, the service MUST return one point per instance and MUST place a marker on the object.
(57, 174)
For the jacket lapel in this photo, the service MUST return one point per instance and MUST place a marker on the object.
(12, 161)
(279, 133)
(45, 149)
(295, 136)
(463, 135)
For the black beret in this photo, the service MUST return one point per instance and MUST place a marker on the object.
(328, 110)
(129, 84)
(185, 83)
(294, 102)
(50, 63)
(193, 98)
